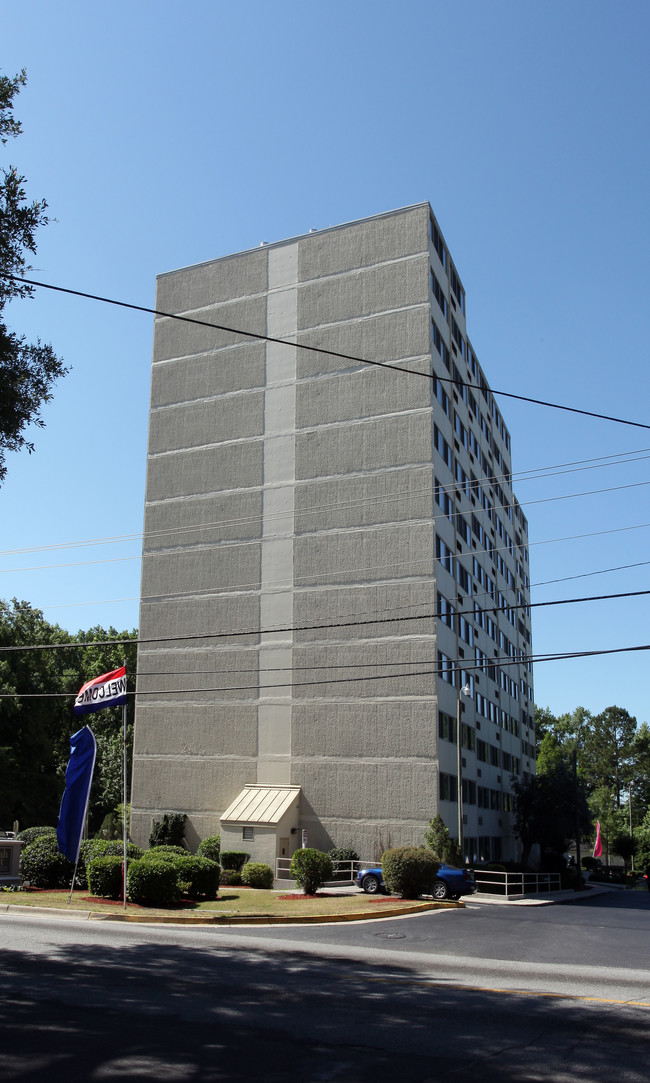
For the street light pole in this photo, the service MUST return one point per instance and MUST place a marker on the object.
(575, 779)
(459, 768)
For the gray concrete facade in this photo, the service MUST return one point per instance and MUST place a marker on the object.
(331, 548)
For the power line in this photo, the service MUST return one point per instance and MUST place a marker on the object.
(185, 594)
(315, 627)
(323, 351)
(532, 474)
(457, 666)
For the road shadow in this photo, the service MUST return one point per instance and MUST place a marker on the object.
(612, 899)
(162, 1011)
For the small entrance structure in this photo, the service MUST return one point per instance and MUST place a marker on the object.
(263, 821)
(10, 848)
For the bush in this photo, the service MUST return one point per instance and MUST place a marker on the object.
(93, 848)
(197, 876)
(30, 834)
(590, 862)
(153, 882)
(44, 865)
(343, 853)
(169, 830)
(168, 849)
(230, 878)
(104, 875)
(210, 847)
(256, 874)
(310, 869)
(233, 859)
(409, 871)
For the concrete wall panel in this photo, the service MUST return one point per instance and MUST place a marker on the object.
(204, 470)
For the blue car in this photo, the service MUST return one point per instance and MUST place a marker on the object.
(450, 883)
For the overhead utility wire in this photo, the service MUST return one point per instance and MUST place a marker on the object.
(457, 666)
(321, 350)
(540, 583)
(314, 627)
(341, 505)
(346, 571)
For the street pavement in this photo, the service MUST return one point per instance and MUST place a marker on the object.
(482, 993)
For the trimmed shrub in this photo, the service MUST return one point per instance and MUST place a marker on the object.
(409, 871)
(343, 853)
(43, 865)
(210, 847)
(197, 876)
(169, 830)
(153, 882)
(310, 869)
(165, 848)
(233, 859)
(229, 878)
(30, 834)
(93, 848)
(104, 875)
(256, 874)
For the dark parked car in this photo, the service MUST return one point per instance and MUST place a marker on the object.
(450, 883)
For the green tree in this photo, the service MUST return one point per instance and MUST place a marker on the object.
(27, 370)
(547, 808)
(439, 841)
(38, 687)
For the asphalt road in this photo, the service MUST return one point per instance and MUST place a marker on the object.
(508, 993)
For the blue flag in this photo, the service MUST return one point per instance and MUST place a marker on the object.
(74, 803)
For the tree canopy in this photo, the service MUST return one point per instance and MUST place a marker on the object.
(27, 370)
(613, 763)
(37, 690)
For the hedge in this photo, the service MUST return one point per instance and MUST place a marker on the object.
(210, 847)
(169, 830)
(104, 875)
(43, 865)
(233, 859)
(409, 871)
(30, 834)
(152, 882)
(230, 878)
(197, 876)
(256, 874)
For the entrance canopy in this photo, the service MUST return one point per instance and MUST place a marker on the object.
(261, 805)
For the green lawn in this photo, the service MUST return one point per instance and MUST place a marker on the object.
(233, 903)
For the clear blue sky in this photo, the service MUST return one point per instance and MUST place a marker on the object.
(165, 134)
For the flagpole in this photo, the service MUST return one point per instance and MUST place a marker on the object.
(124, 813)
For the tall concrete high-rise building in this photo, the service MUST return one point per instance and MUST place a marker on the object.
(332, 551)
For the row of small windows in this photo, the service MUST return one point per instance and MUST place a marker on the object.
(471, 486)
(458, 295)
(481, 796)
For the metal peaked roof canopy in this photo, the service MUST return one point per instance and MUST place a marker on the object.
(261, 804)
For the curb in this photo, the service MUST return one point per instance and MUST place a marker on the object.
(230, 919)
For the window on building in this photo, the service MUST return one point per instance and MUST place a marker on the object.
(441, 395)
(444, 502)
(438, 243)
(444, 555)
(439, 343)
(442, 447)
(445, 611)
(247, 834)
(448, 787)
(446, 727)
(438, 293)
(445, 668)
